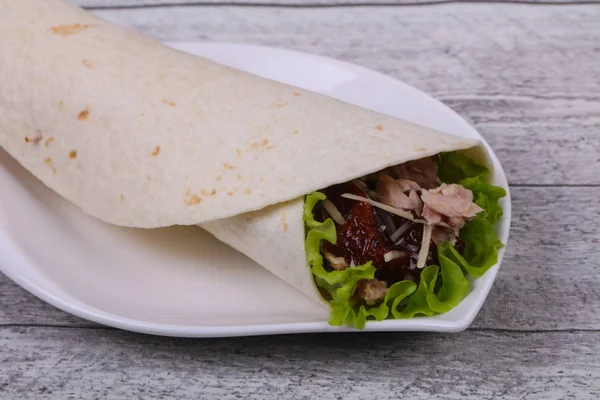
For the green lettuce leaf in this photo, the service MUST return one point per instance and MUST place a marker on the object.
(417, 302)
(343, 313)
(481, 247)
(481, 241)
(486, 196)
(426, 301)
(455, 284)
(341, 285)
(441, 287)
(454, 167)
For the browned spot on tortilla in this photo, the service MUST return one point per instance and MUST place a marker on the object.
(193, 200)
(239, 152)
(169, 103)
(61, 104)
(35, 139)
(257, 184)
(239, 176)
(279, 105)
(122, 198)
(48, 141)
(188, 191)
(270, 148)
(83, 115)
(87, 64)
(48, 162)
(206, 192)
(229, 166)
(419, 149)
(379, 128)
(73, 154)
(219, 177)
(284, 221)
(296, 93)
(247, 191)
(66, 30)
(259, 145)
(156, 151)
(229, 193)
(296, 132)
(149, 177)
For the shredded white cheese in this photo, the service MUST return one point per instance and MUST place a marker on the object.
(391, 210)
(360, 184)
(333, 212)
(391, 255)
(400, 231)
(427, 229)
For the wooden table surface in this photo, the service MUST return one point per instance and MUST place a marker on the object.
(528, 77)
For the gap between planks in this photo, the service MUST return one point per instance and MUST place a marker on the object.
(496, 330)
(549, 185)
(331, 5)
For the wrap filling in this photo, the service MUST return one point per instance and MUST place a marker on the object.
(402, 228)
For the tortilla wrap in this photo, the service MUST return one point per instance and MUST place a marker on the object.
(274, 237)
(141, 135)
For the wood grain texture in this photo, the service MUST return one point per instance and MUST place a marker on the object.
(103, 364)
(121, 4)
(549, 278)
(526, 77)
(20, 307)
(530, 82)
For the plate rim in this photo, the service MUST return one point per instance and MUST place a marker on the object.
(10, 257)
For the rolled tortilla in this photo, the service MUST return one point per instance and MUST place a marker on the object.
(141, 135)
(274, 237)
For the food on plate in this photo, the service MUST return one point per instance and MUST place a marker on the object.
(402, 242)
(368, 214)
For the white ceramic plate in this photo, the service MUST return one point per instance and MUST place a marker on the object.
(153, 281)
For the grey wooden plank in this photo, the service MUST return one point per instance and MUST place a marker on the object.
(300, 3)
(528, 83)
(528, 87)
(57, 363)
(549, 278)
(18, 306)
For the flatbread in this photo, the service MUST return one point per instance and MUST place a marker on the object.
(138, 134)
(141, 135)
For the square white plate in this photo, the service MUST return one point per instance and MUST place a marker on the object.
(153, 281)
